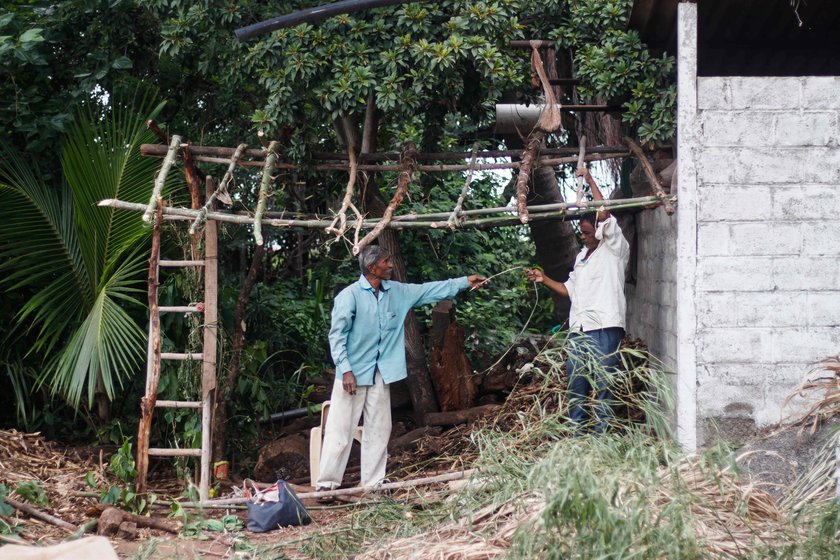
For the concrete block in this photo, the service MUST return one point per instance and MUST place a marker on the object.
(774, 309)
(737, 128)
(805, 273)
(806, 345)
(713, 239)
(805, 202)
(821, 238)
(806, 129)
(734, 345)
(734, 274)
(822, 309)
(758, 373)
(821, 92)
(768, 166)
(717, 309)
(734, 202)
(767, 238)
(713, 93)
(765, 92)
(741, 399)
(781, 403)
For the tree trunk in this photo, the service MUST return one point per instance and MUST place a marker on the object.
(223, 395)
(555, 241)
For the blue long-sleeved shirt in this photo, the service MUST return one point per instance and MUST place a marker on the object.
(367, 332)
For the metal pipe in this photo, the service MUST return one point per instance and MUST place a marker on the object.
(312, 15)
(290, 414)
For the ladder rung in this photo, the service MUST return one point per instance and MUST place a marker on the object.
(173, 264)
(164, 452)
(178, 404)
(181, 357)
(178, 309)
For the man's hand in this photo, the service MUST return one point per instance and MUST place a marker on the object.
(534, 275)
(476, 281)
(583, 172)
(349, 382)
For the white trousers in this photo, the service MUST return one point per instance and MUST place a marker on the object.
(345, 410)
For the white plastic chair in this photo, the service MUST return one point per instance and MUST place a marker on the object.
(316, 440)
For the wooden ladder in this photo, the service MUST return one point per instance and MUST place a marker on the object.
(207, 356)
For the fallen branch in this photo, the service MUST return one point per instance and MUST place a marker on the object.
(220, 193)
(111, 518)
(38, 514)
(655, 180)
(456, 417)
(406, 173)
(264, 184)
(349, 491)
(453, 218)
(168, 161)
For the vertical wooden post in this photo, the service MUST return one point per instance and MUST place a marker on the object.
(147, 403)
(208, 371)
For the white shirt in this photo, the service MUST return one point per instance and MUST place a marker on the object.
(596, 285)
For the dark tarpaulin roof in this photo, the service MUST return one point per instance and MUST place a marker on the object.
(751, 37)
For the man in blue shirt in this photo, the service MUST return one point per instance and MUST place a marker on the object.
(367, 341)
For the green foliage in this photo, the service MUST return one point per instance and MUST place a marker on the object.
(123, 495)
(613, 63)
(31, 491)
(56, 55)
(83, 264)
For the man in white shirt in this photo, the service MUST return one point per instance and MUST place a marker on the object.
(597, 316)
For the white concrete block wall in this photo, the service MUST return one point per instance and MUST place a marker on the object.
(651, 301)
(767, 288)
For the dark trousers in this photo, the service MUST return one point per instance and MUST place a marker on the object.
(593, 361)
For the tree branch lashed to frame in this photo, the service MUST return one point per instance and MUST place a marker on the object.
(548, 122)
(452, 222)
(220, 193)
(160, 180)
(655, 180)
(408, 163)
(270, 158)
(347, 203)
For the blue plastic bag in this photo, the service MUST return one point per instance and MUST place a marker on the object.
(276, 506)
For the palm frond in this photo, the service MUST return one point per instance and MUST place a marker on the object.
(101, 159)
(39, 248)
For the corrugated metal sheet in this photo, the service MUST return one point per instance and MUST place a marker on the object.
(751, 37)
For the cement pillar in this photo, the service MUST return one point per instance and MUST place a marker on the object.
(687, 146)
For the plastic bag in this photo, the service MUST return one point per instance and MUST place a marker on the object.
(276, 506)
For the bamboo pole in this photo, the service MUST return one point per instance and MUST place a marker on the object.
(160, 180)
(453, 218)
(207, 154)
(147, 403)
(222, 191)
(566, 210)
(224, 154)
(655, 181)
(270, 158)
